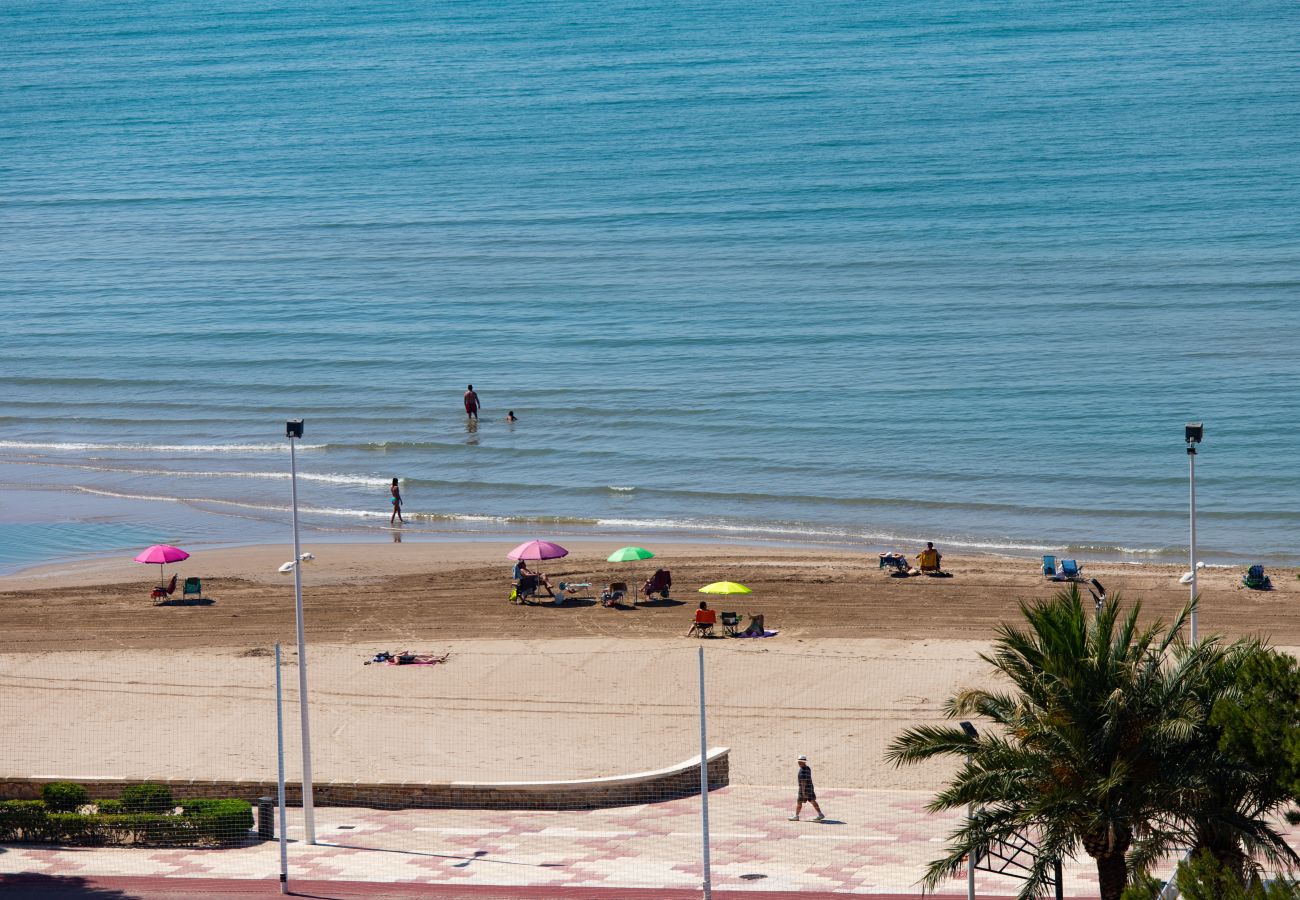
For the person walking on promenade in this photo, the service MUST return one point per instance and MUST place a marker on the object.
(397, 504)
(471, 403)
(807, 794)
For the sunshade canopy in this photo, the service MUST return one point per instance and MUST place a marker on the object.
(159, 554)
(725, 587)
(630, 554)
(538, 550)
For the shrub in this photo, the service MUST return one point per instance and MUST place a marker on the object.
(219, 821)
(147, 798)
(201, 822)
(22, 820)
(108, 807)
(74, 828)
(64, 796)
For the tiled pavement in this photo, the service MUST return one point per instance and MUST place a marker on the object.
(874, 842)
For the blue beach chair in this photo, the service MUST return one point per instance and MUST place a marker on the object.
(1071, 569)
(1256, 580)
(1049, 566)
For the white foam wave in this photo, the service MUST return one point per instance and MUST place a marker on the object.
(619, 489)
(325, 477)
(155, 448)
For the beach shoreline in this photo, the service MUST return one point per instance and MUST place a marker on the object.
(248, 560)
(531, 691)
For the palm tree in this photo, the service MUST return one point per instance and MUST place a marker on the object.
(1236, 797)
(1085, 749)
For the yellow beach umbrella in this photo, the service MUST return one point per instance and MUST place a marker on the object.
(725, 587)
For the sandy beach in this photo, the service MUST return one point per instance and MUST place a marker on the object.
(119, 687)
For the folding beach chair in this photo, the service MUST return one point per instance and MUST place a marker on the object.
(1256, 580)
(1071, 570)
(705, 619)
(1049, 566)
(928, 562)
(1098, 593)
(162, 593)
(614, 593)
(524, 589)
(193, 588)
(658, 583)
(730, 624)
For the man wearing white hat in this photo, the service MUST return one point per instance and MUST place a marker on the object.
(806, 792)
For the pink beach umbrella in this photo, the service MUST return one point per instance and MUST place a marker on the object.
(161, 554)
(537, 550)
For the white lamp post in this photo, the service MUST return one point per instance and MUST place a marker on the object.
(1192, 433)
(293, 431)
(971, 732)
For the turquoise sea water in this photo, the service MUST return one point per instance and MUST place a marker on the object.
(856, 273)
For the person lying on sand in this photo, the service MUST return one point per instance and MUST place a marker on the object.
(406, 658)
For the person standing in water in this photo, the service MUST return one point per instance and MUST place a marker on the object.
(397, 504)
(511, 417)
(471, 402)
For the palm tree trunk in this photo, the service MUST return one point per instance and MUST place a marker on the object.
(1112, 875)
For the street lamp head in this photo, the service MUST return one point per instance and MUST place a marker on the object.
(1193, 432)
(293, 428)
(969, 729)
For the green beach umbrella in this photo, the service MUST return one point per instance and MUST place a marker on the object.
(630, 554)
(725, 587)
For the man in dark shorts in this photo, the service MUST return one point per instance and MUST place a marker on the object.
(471, 403)
(807, 794)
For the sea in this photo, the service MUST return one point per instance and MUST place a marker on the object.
(834, 274)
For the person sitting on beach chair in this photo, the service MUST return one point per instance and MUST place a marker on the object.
(928, 559)
(525, 589)
(1256, 580)
(613, 593)
(658, 583)
(521, 571)
(705, 619)
(895, 562)
(162, 593)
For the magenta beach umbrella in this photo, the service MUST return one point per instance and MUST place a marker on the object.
(537, 550)
(161, 554)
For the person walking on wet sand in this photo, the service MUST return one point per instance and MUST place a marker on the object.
(471, 402)
(397, 504)
(807, 794)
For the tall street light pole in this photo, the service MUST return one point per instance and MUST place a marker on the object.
(293, 431)
(1192, 433)
(972, 733)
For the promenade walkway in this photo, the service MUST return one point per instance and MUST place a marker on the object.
(874, 842)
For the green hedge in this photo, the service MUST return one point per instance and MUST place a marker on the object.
(200, 823)
(64, 796)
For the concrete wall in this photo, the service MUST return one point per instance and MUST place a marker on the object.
(682, 780)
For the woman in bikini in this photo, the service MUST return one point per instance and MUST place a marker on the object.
(397, 504)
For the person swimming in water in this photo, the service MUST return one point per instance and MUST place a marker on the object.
(511, 417)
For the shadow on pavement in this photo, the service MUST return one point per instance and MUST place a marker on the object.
(56, 886)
